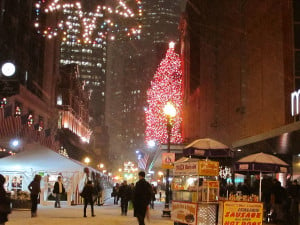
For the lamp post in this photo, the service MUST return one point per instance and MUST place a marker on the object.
(170, 112)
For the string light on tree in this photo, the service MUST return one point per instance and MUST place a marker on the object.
(166, 86)
(86, 22)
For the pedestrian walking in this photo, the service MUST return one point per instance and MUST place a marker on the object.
(87, 194)
(58, 190)
(99, 192)
(115, 193)
(142, 198)
(35, 188)
(4, 202)
(153, 198)
(125, 195)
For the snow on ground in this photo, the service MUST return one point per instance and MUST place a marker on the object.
(108, 214)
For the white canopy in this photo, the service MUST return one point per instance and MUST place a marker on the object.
(262, 158)
(206, 143)
(39, 158)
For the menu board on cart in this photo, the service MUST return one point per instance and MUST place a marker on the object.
(184, 212)
(208, 168)
(242, 213)
(186, 168)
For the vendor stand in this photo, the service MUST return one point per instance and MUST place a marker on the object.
(196, 200)
(195, 192)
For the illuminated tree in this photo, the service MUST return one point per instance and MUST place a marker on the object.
(166, 86)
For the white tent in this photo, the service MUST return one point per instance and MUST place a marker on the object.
(39, 158)
(35, 159)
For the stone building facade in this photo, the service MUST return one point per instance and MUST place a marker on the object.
(238, 63)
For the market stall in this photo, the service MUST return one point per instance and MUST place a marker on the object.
(196, 200)
(260, 163)
(20, 169)
(195, 190)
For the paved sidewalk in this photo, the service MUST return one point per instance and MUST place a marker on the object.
(108, 214)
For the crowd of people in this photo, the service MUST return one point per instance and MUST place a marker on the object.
(140, 196)
(280, 203)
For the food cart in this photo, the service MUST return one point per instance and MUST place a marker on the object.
(196, 201)
(195, 192)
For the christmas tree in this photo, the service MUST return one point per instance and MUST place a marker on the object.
(166, 87)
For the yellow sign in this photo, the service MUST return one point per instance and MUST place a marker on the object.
(168, 160)
(242, 213)
(208, 168)
(184, 212)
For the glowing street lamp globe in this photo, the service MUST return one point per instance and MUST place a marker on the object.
(87, 160)
(151, 143)
(8, 69)
(170, 110)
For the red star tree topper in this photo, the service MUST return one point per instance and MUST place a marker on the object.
(166, 86)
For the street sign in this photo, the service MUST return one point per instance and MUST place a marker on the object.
(9, 87)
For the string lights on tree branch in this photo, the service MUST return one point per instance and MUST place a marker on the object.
(166, 86)
(93, 26)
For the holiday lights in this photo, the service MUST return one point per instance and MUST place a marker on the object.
(18, 111)
(30, 120)
(166, 86)
(85, 22)
(3, 102)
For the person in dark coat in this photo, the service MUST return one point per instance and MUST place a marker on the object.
(125, 195)
(87, 194)
(4, 202)
(278, 196)
(115, 193)
(294, 196)
(58, 190)
(141, 198)
(35, 188)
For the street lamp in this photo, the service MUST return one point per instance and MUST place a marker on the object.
(87, 160)
(170, 112)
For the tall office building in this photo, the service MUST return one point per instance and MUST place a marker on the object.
(130, 67)
(89, 52)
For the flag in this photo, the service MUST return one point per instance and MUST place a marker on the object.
(143, 160)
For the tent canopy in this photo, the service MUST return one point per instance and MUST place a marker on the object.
(207, 147)
(35, 157)
(261, 162)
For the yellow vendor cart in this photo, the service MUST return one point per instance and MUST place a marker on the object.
(195, 192)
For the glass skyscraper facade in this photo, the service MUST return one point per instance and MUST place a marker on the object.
(130, 67)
